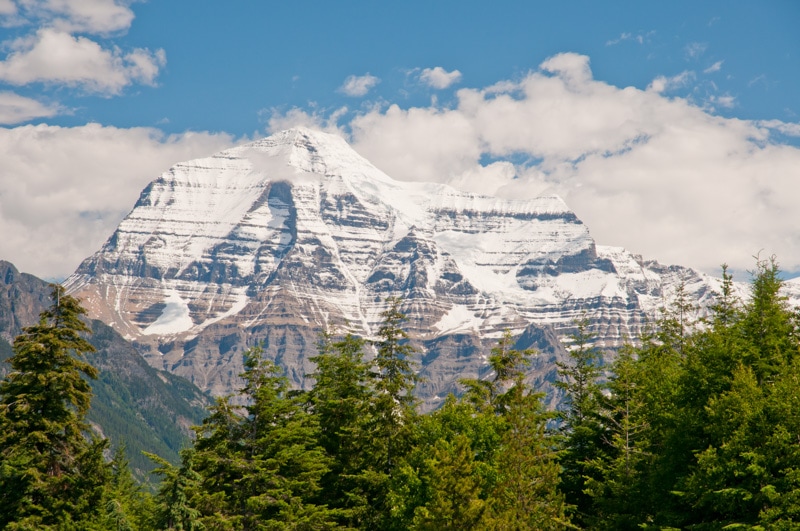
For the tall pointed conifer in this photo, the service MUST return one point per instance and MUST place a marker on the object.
(52, 472)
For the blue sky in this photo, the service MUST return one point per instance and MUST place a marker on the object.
(97, 97)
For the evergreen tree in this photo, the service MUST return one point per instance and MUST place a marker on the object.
(127, 506)
(389, 428)
(52, 472)
(174, 510)
(219, 460)
(525, 492)
(341, 401)
(746, 471)
(580, 422)
(508, 365)
(455, 503)
(614, 479)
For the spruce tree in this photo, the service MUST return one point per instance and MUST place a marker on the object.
(286, 463)
(389, 427)
(455, 503)
(341, 401)
(525, 493)
(583, 441)
(52, 471)
(174, 508)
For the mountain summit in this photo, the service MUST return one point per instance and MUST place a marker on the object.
(280, 239)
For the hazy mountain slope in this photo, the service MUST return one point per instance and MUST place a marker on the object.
(147, 409)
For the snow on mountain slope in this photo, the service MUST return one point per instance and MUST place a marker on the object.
(279, 239)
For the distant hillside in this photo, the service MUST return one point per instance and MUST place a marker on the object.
(133, 403)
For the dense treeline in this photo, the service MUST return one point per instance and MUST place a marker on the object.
(697, 427)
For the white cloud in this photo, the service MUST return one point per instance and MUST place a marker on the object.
(64, 190)
(277, 121)
(726, 100)
(53, 56)
(7, 8)
(358, 85)
(85, 16)
(16, 109)
(716, 67)
(439, 78)
(659, 175)
(664, 84)
(790, 129)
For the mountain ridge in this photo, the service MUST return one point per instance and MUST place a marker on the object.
(277, 240)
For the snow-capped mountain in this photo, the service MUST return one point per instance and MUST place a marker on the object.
(279, 239)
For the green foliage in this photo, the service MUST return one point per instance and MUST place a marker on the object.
(52, 472)
(455, 502)
(703, 419)
(694, 428)
(584, 435)
(341, 401)
(388, 429)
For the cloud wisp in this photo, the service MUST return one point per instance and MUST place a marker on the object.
(357, 86)
(15, 109)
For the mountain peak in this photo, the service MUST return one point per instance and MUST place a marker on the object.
(279, 239)
(300, 153)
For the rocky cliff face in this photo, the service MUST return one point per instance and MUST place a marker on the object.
(282, 238)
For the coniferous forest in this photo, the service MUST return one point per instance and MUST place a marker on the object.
(695, 425)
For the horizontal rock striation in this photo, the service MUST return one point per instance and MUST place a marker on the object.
(275, 241)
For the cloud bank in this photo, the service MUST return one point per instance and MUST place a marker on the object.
(656, 174)
(63, 191)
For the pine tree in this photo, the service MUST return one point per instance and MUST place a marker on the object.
(52, 471)
(174, 509)
(127, 506)
(615, 477)
(526, 495)
(745, 474)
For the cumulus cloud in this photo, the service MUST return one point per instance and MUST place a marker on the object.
(439, 78)
(357, 86)
(64, 190)
(659, 175)
(278, 121)
(53, 56)
(16, 109)
(84, 16)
